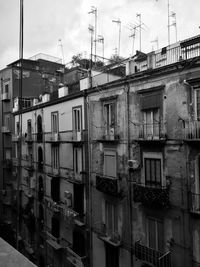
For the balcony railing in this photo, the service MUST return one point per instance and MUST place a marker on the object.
(75, 177)
(194, 203)
(7, 164)
(15, 162)
(52, 137)
(151, 196)
(29, 138)
(78, 136)
(191, 131)
(109, 185)
(5, 129)
(28, 165)
(106, 134)
(149, 131)
(5, 96)
(15, 137)
(151, 256)
(74, 258)
(108, 235)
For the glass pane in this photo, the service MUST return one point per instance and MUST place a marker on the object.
(110, 165)
(147, 170)
(153, 173)
(158, 171)
(152, 233)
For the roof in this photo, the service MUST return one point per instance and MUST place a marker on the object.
(10, 257)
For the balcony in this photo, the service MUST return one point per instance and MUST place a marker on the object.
(52, 137)
(149, 132)
(29, 166)
(15, 137)
(109, 236)
(74, 177)
(40, 137)
(157, 197)
(5, 129)
(191, 131)
(5, 96)
(53, 241)
(109, 185)
(78, 136)
(15, 162)
(103, 134)
(194, 203)
(74, 258)
(29, 138)
(151, 256)
(7, 164)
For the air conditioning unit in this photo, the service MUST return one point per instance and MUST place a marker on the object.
(133, 164)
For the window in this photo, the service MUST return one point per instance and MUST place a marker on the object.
(77, 160)
(77, 121)
(55, 157)
(109, 116)
(152, 169)
(55, 227)
(55, 189)
(79, 243)
(111, 219)
(197, 103)
(7, 121)
(155, 234)
(79, 198)
(6, 88)
(110, 163)
(151, 122)
(54, 122)
(112, 256)
(17, 128)
(29, 129)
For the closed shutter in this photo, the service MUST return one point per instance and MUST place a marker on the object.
(151, 100)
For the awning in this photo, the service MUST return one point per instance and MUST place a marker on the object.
(54, 244)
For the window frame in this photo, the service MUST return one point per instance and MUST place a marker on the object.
(54, 128)
(195, 104)
(55, 157)
(156, 234)
(107, 115)
(153, 156)
(77, 123)
(110, 152)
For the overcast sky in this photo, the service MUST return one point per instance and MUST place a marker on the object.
(47, 21)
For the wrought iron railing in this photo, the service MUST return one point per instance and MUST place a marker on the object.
(152, 256)
(151, 196)
(74, 258)
(149, 131)
(191, 130)
(194, 202)
(108, 185)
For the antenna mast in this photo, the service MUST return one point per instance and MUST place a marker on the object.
(94, 11)
(62, 51)
(119, 24)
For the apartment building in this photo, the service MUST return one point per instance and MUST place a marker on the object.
(144, 134)
(54, 194)
(41, 73)
(110, 172)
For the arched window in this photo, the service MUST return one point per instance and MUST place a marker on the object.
(40, 158)
(40, 189)
(39, 128)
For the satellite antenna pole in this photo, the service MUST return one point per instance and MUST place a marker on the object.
(133, 36)
(140, 26)
(94, 11)
(119, 24)
(168, 22)
(62, 51)
(101, 40)
(173, 15)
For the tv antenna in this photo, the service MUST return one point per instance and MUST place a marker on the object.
(119, 25)
(94, 11)
(62, 51)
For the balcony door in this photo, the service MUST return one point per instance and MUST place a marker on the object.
(155, 234)
(151, 122)
(112, 256)
(110, 164)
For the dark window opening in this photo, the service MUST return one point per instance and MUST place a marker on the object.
(55, 189)
(79, 198)
(40, 159)
(112, 256)
(79, 243)
(55, 227)
(39, 129)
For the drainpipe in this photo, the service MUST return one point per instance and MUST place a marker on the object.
(127, 89)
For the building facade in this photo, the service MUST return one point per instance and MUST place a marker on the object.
(109, 175)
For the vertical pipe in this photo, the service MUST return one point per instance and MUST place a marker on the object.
(20, 116)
